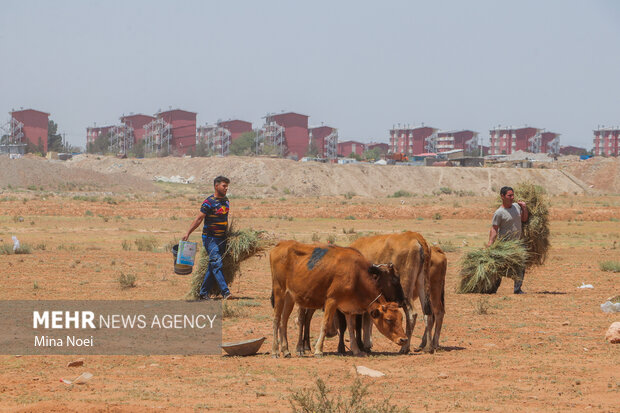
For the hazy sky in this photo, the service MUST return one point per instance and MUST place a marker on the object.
(359, 66)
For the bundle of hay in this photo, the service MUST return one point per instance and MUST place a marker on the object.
(481, 270)
(536, 229)
(240, 245)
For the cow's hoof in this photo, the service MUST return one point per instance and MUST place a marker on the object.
(429, 350)
(404, 350)
(318, 355)
(417, 349)
(287, 355)
(274, 355)
(361, 354)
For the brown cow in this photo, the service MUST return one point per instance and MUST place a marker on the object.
(331, 277)
(389, 285)
(410, 254)
(437, 277)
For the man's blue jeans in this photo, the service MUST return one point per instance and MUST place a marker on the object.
(216, 247)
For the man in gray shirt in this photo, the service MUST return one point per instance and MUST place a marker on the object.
(507, 224)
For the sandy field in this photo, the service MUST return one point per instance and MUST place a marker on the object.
(542, 351)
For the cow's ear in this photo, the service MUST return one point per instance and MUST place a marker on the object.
(374, 313)
(374, 270)
(393, 270)
(383, 307)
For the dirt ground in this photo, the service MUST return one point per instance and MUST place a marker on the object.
(541, 351)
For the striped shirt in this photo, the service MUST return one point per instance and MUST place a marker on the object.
(216, 219)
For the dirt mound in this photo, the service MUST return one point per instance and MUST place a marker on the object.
(601, 173)
(253, 176)
(54, 175)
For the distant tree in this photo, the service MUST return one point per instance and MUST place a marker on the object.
(372, 154)
(138, 149)
(54, 139)
(244, 145)
(201, 148)
(313, 151)
(100, 145)
(355, 156)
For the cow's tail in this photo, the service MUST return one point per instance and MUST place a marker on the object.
(425, 258)
(272, 300)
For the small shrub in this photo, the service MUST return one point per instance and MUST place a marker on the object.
(447, 246)
(610, 266)
(146, 243)
(35, 285)
(331, 239)
(349, 195)
(437, 216)
(349, 218)
(110, 200)
(445, 190)
(6, 249)
(401, 194)
(286, 191)
(23, 249)
(40, 246)
(481, 306)
(89, 213)
(126, 245)
(231, 311)
(316, 237)
(127, 280)
(318, 400)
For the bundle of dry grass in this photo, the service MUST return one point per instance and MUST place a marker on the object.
(481, 270)
(240, 245)
(536, 229)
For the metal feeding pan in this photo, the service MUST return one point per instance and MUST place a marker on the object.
(243, 348)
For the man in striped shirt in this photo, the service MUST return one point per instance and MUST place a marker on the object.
(214, 212)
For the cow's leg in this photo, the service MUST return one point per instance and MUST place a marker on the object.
(303, 341)
(427, 343)
(410, 319)
(328, 319)
(287, 308)
(351, 323)
(366, 332)
(342, 327)
(301, 323)
(309, 314)
(438, 324)
(278, 302)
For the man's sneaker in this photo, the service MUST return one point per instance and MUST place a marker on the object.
(227, 296)
(204, 298)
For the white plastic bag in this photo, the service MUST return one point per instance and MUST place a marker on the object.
(609, 307)
(15, 243)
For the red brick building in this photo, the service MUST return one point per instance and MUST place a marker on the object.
(183, 129)
(325, 139)
(295, 133)
(572, 150)
(137, 122)
(236, 127)
(550, 143)
(31, 125)
(466, 140)
(93, 133)
(346, 148)
(606, 141)
(412, 141)
(505, 141)
(382, 147)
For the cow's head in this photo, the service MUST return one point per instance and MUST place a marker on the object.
(389, 320)
(388, 282)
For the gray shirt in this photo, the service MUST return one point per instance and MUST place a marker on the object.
(509, 222)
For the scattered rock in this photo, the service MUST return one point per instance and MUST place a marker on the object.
(76, 363)
(442, 376)
(613, 333)
(365, 371)
(565, 323)
(154, 365)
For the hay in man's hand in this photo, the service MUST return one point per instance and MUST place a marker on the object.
(536, 228)
(482, 269)
(240, 245)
